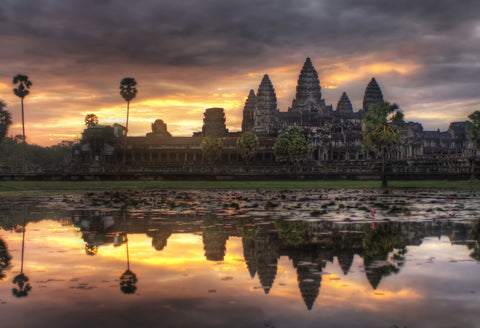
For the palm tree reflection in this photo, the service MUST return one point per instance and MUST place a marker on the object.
(384, 252)
(91, 249)
(21, 280)
(474, 243)
(128, 280)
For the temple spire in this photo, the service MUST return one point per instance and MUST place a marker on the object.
(372, 95)
(308, 96)
(266, 113)
(344, 105)
(248, 112)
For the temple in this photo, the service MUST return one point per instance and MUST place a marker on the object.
(334, 137)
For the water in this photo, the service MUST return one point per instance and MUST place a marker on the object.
(203, 264)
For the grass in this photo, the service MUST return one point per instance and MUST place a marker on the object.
(47, 188)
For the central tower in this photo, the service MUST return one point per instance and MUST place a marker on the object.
(309, 95)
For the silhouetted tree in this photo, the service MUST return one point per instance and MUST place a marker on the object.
(91, 120)
(247, 145)
(128, 92)
(52, 158)
(212, 148)
(128, 282)
(21, 91)
(24, 287)
(381, 126)
(291, 145)
(91, 249)
(473, 134)
(5, 121)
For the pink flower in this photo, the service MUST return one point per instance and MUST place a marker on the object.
(372, 225)
(372, 212)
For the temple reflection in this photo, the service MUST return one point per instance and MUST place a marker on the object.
(308, 245)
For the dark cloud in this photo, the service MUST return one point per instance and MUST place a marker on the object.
(184, 46)
(225, 33)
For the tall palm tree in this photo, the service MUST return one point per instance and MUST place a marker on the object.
(21, 91)
(381, 126)
(128, 92)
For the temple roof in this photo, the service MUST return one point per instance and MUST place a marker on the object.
(372, 95)
(308, 88)
(344, 104)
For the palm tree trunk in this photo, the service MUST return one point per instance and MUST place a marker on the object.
(384, 176)
(126, 132)
(23, 136)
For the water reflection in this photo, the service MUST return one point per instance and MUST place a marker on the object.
(5, 258)
(21, 280)
(309, 245)
(312, 264)
(128, 279)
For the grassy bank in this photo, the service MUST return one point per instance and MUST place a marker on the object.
(32, 188)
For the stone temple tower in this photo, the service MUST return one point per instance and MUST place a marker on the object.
(249, 111)
(266, 113)
(344, 105)
(309, 96)
(214, 123)
(372, 95)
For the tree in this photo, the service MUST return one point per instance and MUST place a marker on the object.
(21, 91)
(91, 120)
(5, 121)
(381, 126)
(24, 287)
(128, 92)
(473, 134)
(212, 148)
(247, 145)
(291, 145)
(5, 258)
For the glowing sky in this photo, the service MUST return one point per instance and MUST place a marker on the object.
(190, 55)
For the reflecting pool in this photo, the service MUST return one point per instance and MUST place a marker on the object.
(71, 263)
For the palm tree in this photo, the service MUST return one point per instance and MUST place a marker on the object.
(381, 124)
(128, 92)
(91, 120)
(21, 91)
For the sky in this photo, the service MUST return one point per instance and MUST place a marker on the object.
(190, 55)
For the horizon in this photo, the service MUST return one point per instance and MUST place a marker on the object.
(187, 57)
